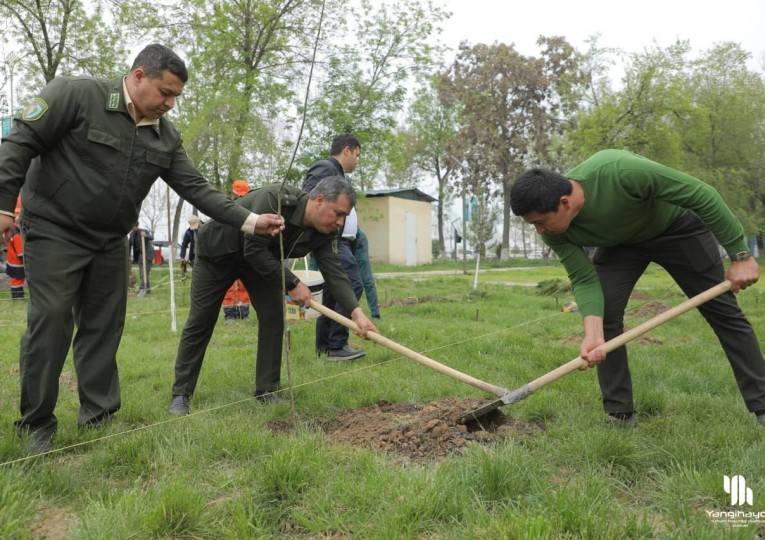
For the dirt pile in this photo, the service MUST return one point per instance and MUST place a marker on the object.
(422, 432)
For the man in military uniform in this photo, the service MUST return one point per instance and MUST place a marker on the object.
(85, 153)
(312, 224)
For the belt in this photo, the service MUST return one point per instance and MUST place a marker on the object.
(348, 238)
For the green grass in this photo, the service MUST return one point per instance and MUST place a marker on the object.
(223, 473)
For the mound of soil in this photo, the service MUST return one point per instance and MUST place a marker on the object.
(422, 432)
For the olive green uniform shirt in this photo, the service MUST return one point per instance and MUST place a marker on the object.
(84, 165)
(217, 242)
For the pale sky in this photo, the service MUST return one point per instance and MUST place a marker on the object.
(631, 26)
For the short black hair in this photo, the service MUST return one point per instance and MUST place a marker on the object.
(538, 190)
(332, 187)
(341, 141)
(155, 59)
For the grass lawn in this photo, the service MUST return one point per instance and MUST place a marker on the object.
(238, 469)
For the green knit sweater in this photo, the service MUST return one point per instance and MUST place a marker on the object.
(628, 200)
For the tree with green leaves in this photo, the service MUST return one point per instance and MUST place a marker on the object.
(64, 37)
(432, 130)
(365, 79)
(705, 116)
(511, 107)
(247, 62)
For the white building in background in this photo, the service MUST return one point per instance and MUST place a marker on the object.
(398, 225)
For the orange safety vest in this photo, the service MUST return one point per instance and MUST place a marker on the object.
(14, 261)
(236, 295)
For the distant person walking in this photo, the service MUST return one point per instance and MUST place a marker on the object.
(189, 241)
(142, 246)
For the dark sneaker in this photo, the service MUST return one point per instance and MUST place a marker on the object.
(179, 406)
(264, 396)
(622, 420)
(346, 353)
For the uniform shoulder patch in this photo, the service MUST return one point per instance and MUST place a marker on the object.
(34, 110)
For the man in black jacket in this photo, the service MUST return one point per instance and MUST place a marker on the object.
(331, 337)
(312, 222)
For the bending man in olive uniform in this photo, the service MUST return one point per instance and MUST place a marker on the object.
(313, 222)
(86, 152)
(636, 211)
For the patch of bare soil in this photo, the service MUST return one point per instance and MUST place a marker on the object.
(406, 301)
(53, 524)
(645, 339)
(422, 432)
(648, 310)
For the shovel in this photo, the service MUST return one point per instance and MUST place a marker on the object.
(412, 355)
(525, 391)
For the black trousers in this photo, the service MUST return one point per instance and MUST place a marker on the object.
(209, 283)
(331, 335)
(70, 285)
(689, 252)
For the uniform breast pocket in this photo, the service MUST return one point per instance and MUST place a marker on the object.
(159, 160)
(103, 150)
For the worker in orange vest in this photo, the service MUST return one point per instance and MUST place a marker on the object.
(14, 261)
(236, 303)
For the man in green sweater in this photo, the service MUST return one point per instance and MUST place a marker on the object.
(636, 211)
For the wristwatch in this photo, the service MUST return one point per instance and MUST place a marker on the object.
(741, 256)
(291, 284)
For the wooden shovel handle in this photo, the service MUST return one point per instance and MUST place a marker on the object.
(633, 333)
(412, 355)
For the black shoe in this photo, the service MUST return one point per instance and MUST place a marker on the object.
(622, 420)
(97, 422)
(179, 406)
(264, 396)
(346, 353)
(39, 441)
